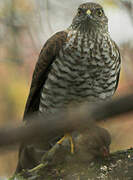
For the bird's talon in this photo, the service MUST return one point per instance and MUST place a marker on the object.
(38, 167)
(71, 142)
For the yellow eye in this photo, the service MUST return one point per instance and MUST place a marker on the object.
(99, 12)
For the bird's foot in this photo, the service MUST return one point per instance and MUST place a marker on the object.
(37, 168)
(70, 139)
(46, 159)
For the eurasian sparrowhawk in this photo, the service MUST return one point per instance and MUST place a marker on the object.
(80, 64)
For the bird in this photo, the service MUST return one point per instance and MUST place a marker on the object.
(92, 143)
(77, 65)
(89, 144)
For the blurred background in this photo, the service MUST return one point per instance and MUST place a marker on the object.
(24, 28)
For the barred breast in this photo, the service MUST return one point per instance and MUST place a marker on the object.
(85, 70)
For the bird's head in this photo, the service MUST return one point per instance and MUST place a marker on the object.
(93, 143)
(101, 142)
(90, 16)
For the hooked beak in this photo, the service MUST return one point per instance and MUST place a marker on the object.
(88, 12)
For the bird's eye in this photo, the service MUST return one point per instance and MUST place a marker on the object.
(99, 12)
(79, 11)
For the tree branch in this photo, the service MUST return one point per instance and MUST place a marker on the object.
(78, 118)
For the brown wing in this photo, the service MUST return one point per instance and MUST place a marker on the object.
(47, 55)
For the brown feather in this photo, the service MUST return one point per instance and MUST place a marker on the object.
(47, 55)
